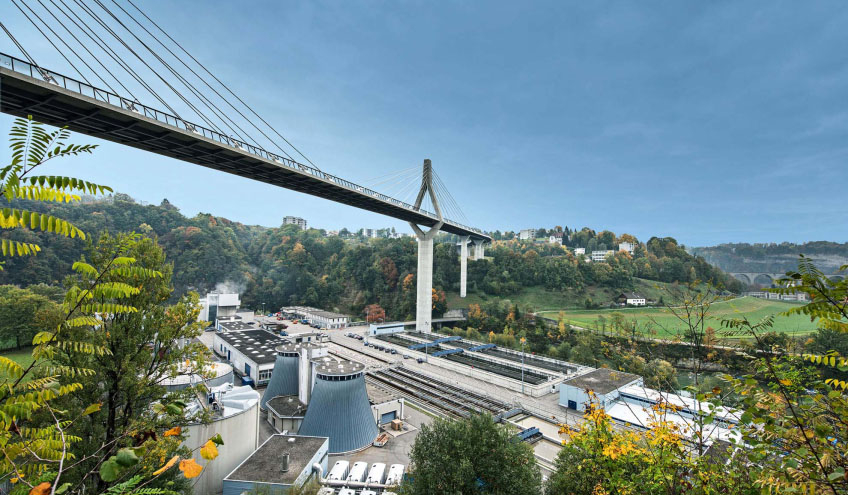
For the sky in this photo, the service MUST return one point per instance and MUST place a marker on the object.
(709, 122)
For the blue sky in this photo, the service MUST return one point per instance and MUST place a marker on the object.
(706, 121)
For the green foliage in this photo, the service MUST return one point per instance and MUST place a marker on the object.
(32, 146)
(469, 456)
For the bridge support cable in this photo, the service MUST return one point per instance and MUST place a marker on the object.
(104, 46)
(227, 88)
(201, 79)
(83, 45)
(44, 35)
(231, 124)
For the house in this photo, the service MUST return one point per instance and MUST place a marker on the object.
(555, 239)
(631, 299)
(300, 222)
(601, 256)
(579, 251)
(527, 234)
(627, 246)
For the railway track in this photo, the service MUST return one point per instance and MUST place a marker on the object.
(448, 399)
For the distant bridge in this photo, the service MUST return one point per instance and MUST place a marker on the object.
(766, 279)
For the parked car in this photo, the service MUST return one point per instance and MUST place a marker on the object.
(420, 360)
(394, 351)
(406, 356)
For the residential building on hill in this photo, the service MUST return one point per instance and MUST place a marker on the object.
(527, 234)
(300, 222)
(627, 246)
(601, 256)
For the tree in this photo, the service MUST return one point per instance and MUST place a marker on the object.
(374, 313)
(146, 346)
(470, 456)
(21, 314)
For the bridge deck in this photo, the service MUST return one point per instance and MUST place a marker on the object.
(102, 114)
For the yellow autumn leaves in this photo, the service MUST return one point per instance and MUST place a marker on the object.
(189, 467)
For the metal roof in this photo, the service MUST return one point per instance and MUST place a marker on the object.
(339, 409)
(284, 379)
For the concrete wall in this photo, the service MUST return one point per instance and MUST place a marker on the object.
(291, 425)
(240, 434)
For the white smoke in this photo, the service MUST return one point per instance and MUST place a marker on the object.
(230, 287)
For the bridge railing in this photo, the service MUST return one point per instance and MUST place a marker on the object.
(71, 84)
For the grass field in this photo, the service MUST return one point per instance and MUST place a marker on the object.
(544, 300)
(666, 325)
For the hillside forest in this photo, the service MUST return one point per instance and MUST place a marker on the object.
(287, 266)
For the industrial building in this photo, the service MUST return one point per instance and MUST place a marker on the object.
(213, 375)
(285, 413)
(278, 464)
(251, 352)
(627, 401)
(604, 383)
(319, 317)
(216, 305)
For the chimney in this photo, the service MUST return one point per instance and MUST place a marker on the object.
(285, 466)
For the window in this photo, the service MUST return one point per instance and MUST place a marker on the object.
(265, 375)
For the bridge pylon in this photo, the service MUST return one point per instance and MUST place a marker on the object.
(424, 288)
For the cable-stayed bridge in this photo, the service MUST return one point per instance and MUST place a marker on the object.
(27, 88)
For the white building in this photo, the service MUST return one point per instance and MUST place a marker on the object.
(625, 399)
(631, 299)
(369, 233)
(216, 306)
(600, 256)
(579, 251)
(280, 463)
(251, 352)
(603, 382)
(527, 234)
(300, 222)
(627, 246)
(324, 319)
(555, 240)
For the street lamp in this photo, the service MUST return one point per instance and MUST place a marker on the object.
(523, 340)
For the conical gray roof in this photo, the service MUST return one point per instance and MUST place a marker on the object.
(283, 377)
(339, 409)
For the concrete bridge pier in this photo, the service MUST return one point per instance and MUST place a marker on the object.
(463, 264)
(479, 249)
(424, 285)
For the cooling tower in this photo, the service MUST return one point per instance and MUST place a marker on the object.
(284, 376)
(339, 408)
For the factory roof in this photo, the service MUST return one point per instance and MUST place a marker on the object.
(236, 325)
(309, 310)
(286, 406)
(257, 345)
(602, 380)
(263, 465)
(339, 368)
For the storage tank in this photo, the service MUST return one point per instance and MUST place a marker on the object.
(376, 474)
(395, 475)
(339, 471)
(357, 472)
(339, 408)
(284, 376)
